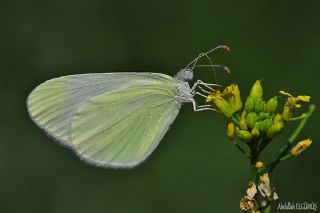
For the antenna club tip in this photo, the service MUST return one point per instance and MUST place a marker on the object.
(227, 70)
(227, 48)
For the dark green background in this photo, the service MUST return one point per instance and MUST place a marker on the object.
(195, 168)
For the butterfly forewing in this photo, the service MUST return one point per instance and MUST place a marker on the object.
(132, 103)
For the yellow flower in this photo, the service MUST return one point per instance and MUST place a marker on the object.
(259, 164)
(292, 104)
(300, 147)
(228, 102)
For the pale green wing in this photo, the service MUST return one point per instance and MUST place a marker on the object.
(122, 128)
(52, 104)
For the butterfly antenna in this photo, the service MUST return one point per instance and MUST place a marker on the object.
(227, 69)
(194, 61)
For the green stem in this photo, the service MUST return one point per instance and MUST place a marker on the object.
(284, 150)
(253, 161)
(267, 210)
(303, 122)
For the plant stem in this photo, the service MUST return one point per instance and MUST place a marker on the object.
(267, 210)
(303, 122)
(284, 150)
(253, 161)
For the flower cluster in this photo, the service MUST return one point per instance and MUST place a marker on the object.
(259, 118)
(256, 123)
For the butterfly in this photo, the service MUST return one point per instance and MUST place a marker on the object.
(115, 119)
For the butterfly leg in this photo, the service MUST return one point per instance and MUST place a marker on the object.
(201, 83)
(197, 108)
(202, 95)
(198, 93)
(203, 90)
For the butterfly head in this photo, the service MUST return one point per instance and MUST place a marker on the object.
(185, 74)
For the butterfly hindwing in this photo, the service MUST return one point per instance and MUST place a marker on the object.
(120, 129)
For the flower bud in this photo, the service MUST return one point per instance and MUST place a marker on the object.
(277, 118)
(231, 130)
(257, 124)
(242, 124)
(300, 147)
(244, 135)
(256, 90)
(266, 125)
(259, 105)
(244, 114)
(263, 115)
(272, 105)
(255, 133)
(259, 164)
(275, 129)
(249, 105)
(251, 119)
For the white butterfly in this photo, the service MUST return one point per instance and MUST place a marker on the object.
(114, 119)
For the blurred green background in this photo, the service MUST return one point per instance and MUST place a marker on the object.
(195, 168)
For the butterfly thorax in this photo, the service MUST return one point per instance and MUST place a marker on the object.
(184, 91)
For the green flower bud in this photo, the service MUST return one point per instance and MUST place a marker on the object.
(277, 118)
(244, 135)
(242, 124)
(251, 119)
(272, 105)
(231, 130)
(256, 90)
(275, 129)
(263, 115)
(257, 124)
(259, 105)
(244, 114)
(249, 105)
(255, 133)
(266, 125)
